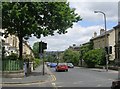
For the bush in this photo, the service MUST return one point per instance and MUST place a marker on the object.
(94, 57)
(13, 56)
(36, 62)
(28, 58)
(71, 56)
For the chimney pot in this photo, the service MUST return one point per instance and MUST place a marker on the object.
(95, 34)
(102, 31)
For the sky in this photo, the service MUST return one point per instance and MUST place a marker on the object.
(83, 31)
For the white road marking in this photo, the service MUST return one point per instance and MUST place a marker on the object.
(78, 82)
(99, 85)
(54, 85)
(59, 86)
(17, 78)
(110, 79)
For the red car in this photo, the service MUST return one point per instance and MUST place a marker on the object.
(62, 67)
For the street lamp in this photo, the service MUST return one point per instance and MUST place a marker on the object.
(105, 36)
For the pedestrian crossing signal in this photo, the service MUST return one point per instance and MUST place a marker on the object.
(42, 46)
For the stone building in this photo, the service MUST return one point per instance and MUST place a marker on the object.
(11, 45)
(117, 44)
(100, 42)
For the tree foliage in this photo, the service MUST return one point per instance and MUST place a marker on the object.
(36, 49)
(25, 18)
(71, 56)
(85, 48)
(94, 57)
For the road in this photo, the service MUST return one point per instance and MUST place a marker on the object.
(84, 77)
(78, 77)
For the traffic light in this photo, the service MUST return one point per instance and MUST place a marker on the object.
(42, 46)
(106, 50)
(110, 49)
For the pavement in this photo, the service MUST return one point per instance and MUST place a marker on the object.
(35, 77)
(104, 70)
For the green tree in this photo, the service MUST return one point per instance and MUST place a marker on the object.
(85, 48)
(36, 49)
(71, 56)
(25, 18)
(94, 57)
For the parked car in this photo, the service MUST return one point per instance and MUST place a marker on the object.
(70, 65)
(48, 64)
(53, 65)
(62, 67)
(115, 84)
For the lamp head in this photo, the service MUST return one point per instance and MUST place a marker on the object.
(95, 11)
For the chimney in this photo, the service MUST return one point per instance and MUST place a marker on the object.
(118, 23)
(95, 34)
(102, 31)
(74, 45)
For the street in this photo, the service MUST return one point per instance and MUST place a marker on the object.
(83, 77)
(76, 77)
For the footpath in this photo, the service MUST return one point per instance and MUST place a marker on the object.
(104, 70)
(35, 77)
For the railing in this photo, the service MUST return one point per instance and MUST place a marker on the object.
(12, 65)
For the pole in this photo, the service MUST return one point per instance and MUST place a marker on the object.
(43, 66)
(107, 55)
(106, 42)
(43, 58)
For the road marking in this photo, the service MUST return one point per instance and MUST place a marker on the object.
(99, 85)
(59, 86)
(17, 78)
(54, 85)
(110, 79)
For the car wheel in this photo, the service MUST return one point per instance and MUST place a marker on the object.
(56, 70)
(67, 70)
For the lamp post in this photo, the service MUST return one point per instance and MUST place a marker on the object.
(105, 36)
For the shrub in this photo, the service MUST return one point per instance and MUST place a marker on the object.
(13, 56)
(36, 62)
(94, 57)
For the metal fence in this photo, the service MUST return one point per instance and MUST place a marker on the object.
(12, 65)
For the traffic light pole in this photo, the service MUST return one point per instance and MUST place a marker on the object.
(42, 46)
(43, 71)
(43, 67)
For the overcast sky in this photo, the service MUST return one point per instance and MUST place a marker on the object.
(83, 31)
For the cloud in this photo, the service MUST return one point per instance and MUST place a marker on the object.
(76, 35)
(86, 10)
(80, 34)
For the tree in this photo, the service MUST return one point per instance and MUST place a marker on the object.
(94, 57)
(39, 18)
(36, 49)
(85, 48)
(71, 56)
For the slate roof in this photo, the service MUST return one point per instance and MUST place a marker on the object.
(103, 34)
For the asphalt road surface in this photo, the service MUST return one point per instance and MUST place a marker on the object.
(84, 77)
(78, 77)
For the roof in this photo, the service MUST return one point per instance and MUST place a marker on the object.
(118, 26)
(103, 34)
(25, 42)
(86, 43)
